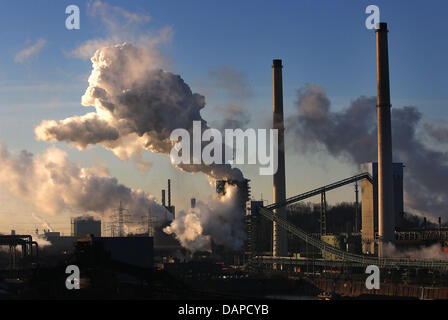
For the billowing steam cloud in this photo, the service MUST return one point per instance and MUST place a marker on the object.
(53, 184)
(434, 252)
(220, 219)
(137, 107)
(352, 134)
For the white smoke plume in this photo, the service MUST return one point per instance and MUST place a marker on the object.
(351, 134)
(42, 221)
(221, 218)
(137, 107)
(433, 252)
(41, 242)
(53, 184)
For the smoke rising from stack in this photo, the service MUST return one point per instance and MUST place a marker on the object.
(351, 135)
(53, 184)
(42, 221)
(41, 242)
(221, 218)
(137, 107)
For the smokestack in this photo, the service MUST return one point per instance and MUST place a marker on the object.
(385, 183)
(356, 228)
(280, 245)
(163, 198)
(193, 203)
(169, 193)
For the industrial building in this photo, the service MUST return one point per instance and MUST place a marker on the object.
(84, 225)
(135, 251)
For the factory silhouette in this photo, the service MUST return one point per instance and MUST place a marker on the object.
(289, 247)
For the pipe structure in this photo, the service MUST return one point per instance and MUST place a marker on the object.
(163, 198)
(280, 244)
(37, 248)
(386, 217)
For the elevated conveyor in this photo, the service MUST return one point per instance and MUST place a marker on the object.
(319, 244)
(320, 190)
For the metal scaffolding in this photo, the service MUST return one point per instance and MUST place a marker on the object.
(29, 249)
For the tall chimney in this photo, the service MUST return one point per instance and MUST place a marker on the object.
(280, 245)
(163, 198)
(169, 193)
(386, 215)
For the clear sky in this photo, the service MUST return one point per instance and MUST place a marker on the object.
(323, 42)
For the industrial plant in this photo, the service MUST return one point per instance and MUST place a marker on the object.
(289, 246)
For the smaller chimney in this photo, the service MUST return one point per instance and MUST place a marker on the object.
(163, 198)
(169, 193)
(193, 203)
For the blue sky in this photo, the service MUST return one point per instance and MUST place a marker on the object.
(323, 42)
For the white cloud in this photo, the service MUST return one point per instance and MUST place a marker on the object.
(30, 51)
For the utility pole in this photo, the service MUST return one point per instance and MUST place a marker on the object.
(121, 217)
